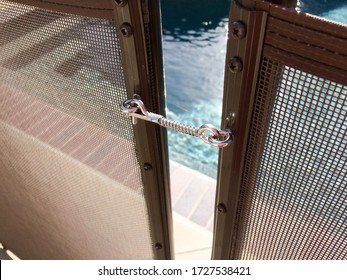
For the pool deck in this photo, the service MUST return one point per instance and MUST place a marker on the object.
(193, 195)
(191, 241)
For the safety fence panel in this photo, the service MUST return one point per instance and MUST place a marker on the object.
(71, 185)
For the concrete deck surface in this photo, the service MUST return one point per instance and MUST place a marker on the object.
(191, 241)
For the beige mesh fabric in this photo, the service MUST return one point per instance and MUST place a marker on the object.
(70, 183)
(294, 195)
(291, 202)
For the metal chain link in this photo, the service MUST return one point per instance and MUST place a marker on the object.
(217, 138)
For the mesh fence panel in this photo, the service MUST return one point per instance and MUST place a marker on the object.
(293, 199)
(70, 180)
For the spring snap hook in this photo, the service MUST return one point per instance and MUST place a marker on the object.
(136, 109)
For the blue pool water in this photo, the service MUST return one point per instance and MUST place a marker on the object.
(194, 53)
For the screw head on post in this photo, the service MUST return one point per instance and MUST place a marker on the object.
(121, 3)
(147, 166)
(221, 208)
(235, 64)
(238, 29)
(126, 29)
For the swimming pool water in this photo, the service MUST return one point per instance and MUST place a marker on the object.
(194, 34)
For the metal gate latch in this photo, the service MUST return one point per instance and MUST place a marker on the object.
(135, 109)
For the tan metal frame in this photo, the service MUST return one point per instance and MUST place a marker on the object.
(239, 90)
(143, 68)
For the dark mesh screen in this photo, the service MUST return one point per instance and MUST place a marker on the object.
(70, 181)
(293, 200)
